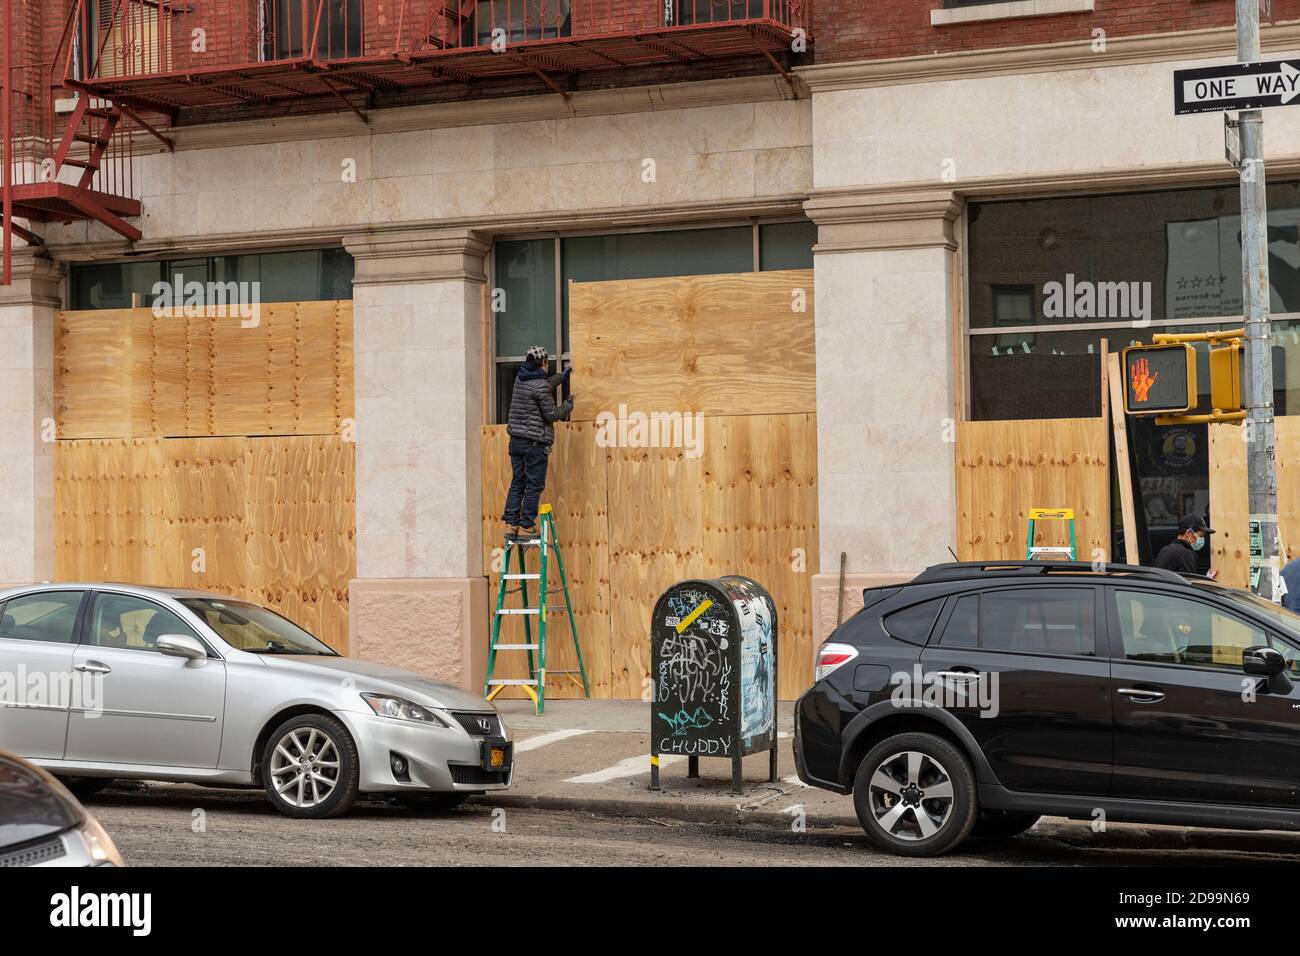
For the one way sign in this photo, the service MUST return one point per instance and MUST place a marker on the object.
(1237, 86)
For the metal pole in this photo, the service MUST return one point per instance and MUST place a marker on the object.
(7, 133)
(1261, 465)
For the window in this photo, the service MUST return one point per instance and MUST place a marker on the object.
(913, 624)
(534, 275)
(310, 275)
(520, 20)
(681, 12)
(49, 616)
(1050, 278)
(293, 25)
(1025, 621)
(1164, 629)
(121, 620)
(255, 629)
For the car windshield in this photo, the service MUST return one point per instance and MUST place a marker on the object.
(252, 628)
(1278, 614)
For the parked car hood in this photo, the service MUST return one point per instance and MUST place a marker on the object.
(421, 690)
(32, 804)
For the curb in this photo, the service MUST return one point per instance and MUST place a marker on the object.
(670, 810)
(1074, 833)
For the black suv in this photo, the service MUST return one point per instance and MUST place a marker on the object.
(980, 695)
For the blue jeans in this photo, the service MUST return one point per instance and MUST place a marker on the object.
(528, 461)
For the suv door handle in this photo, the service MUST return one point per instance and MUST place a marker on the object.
(94, 667)
(1142, 695)
(958, 675)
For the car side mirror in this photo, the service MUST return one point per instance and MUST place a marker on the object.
(1262, 661)
(181, 645)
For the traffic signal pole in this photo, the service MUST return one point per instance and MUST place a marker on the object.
(1261, 461)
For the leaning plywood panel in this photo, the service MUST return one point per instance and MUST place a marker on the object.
(1004, 468)
(738, 344)
(1288, 482)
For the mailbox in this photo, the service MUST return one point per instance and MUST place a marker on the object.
(713, 666)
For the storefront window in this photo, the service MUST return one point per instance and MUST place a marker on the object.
(525, 276)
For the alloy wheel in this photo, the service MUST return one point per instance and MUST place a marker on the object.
(910, 795)
(305, 767)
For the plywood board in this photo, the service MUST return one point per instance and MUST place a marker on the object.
(267, 519)
(739, 344)
(134, 373)
(1229, 506)
(1004, 468)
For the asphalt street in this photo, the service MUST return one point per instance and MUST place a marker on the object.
(172, 825)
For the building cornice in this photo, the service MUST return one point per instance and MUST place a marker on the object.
(1043, 58)
(857, 220)
(417, 255)
(477, 112)
(488, 227)
(36, 280)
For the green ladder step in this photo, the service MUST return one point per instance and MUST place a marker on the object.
(547, 544)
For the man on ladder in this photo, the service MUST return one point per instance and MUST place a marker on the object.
(531, 427)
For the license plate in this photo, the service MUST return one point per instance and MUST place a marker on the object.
(496, 755)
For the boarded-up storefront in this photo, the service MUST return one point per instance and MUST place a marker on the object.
(642, 502)
(210, 453)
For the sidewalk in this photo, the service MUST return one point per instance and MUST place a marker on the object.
(593, 756)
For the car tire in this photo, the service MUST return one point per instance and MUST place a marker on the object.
(893, 807)
(1002, 824)
(310, 768)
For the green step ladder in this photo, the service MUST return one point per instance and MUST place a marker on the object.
(1034, 551)
(534, 686)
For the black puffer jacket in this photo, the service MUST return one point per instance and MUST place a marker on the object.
(532, 407)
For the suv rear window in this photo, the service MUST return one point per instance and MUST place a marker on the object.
(913, 624)
(1026, 621)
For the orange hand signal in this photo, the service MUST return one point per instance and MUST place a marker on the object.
(1142, 380)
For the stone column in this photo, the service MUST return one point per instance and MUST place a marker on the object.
(885, 389)
(420, 598)
(27, 435)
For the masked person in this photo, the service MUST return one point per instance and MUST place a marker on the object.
(1180, 554)
(533, 413)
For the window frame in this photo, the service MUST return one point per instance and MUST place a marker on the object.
(1099, 623)
(88, 623)
(77, 621)
(1118, 653)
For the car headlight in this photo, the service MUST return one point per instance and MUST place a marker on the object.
(102, 849)
(401, 709)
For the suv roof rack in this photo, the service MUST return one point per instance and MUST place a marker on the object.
(959, 570)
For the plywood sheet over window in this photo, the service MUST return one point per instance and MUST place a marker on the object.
(634, 515)
(721, 344)
(129, 373)
(195, 452)
(1230, 504)
(268, 519)
(1005, 468)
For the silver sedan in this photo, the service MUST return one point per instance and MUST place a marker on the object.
(103, 681)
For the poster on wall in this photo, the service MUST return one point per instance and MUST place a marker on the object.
(1203, 265)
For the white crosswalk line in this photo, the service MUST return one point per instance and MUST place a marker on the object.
(630, 767)
(541, 740)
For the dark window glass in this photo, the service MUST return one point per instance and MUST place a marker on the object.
(525, 274)
(49, 616)
(680, 12)
(520, 20)
(913, 624)
(786, 245)
(1038, 621)
(337, 33)
(111, 285)
(962, 629)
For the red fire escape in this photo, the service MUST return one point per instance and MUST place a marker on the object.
(123, 68)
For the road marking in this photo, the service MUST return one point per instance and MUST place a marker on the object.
(631, 767)
(541, 740)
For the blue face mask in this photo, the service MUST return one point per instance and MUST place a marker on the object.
(1198, 543)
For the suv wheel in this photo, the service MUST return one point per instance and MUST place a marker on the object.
(310, 767)
(915, 795)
